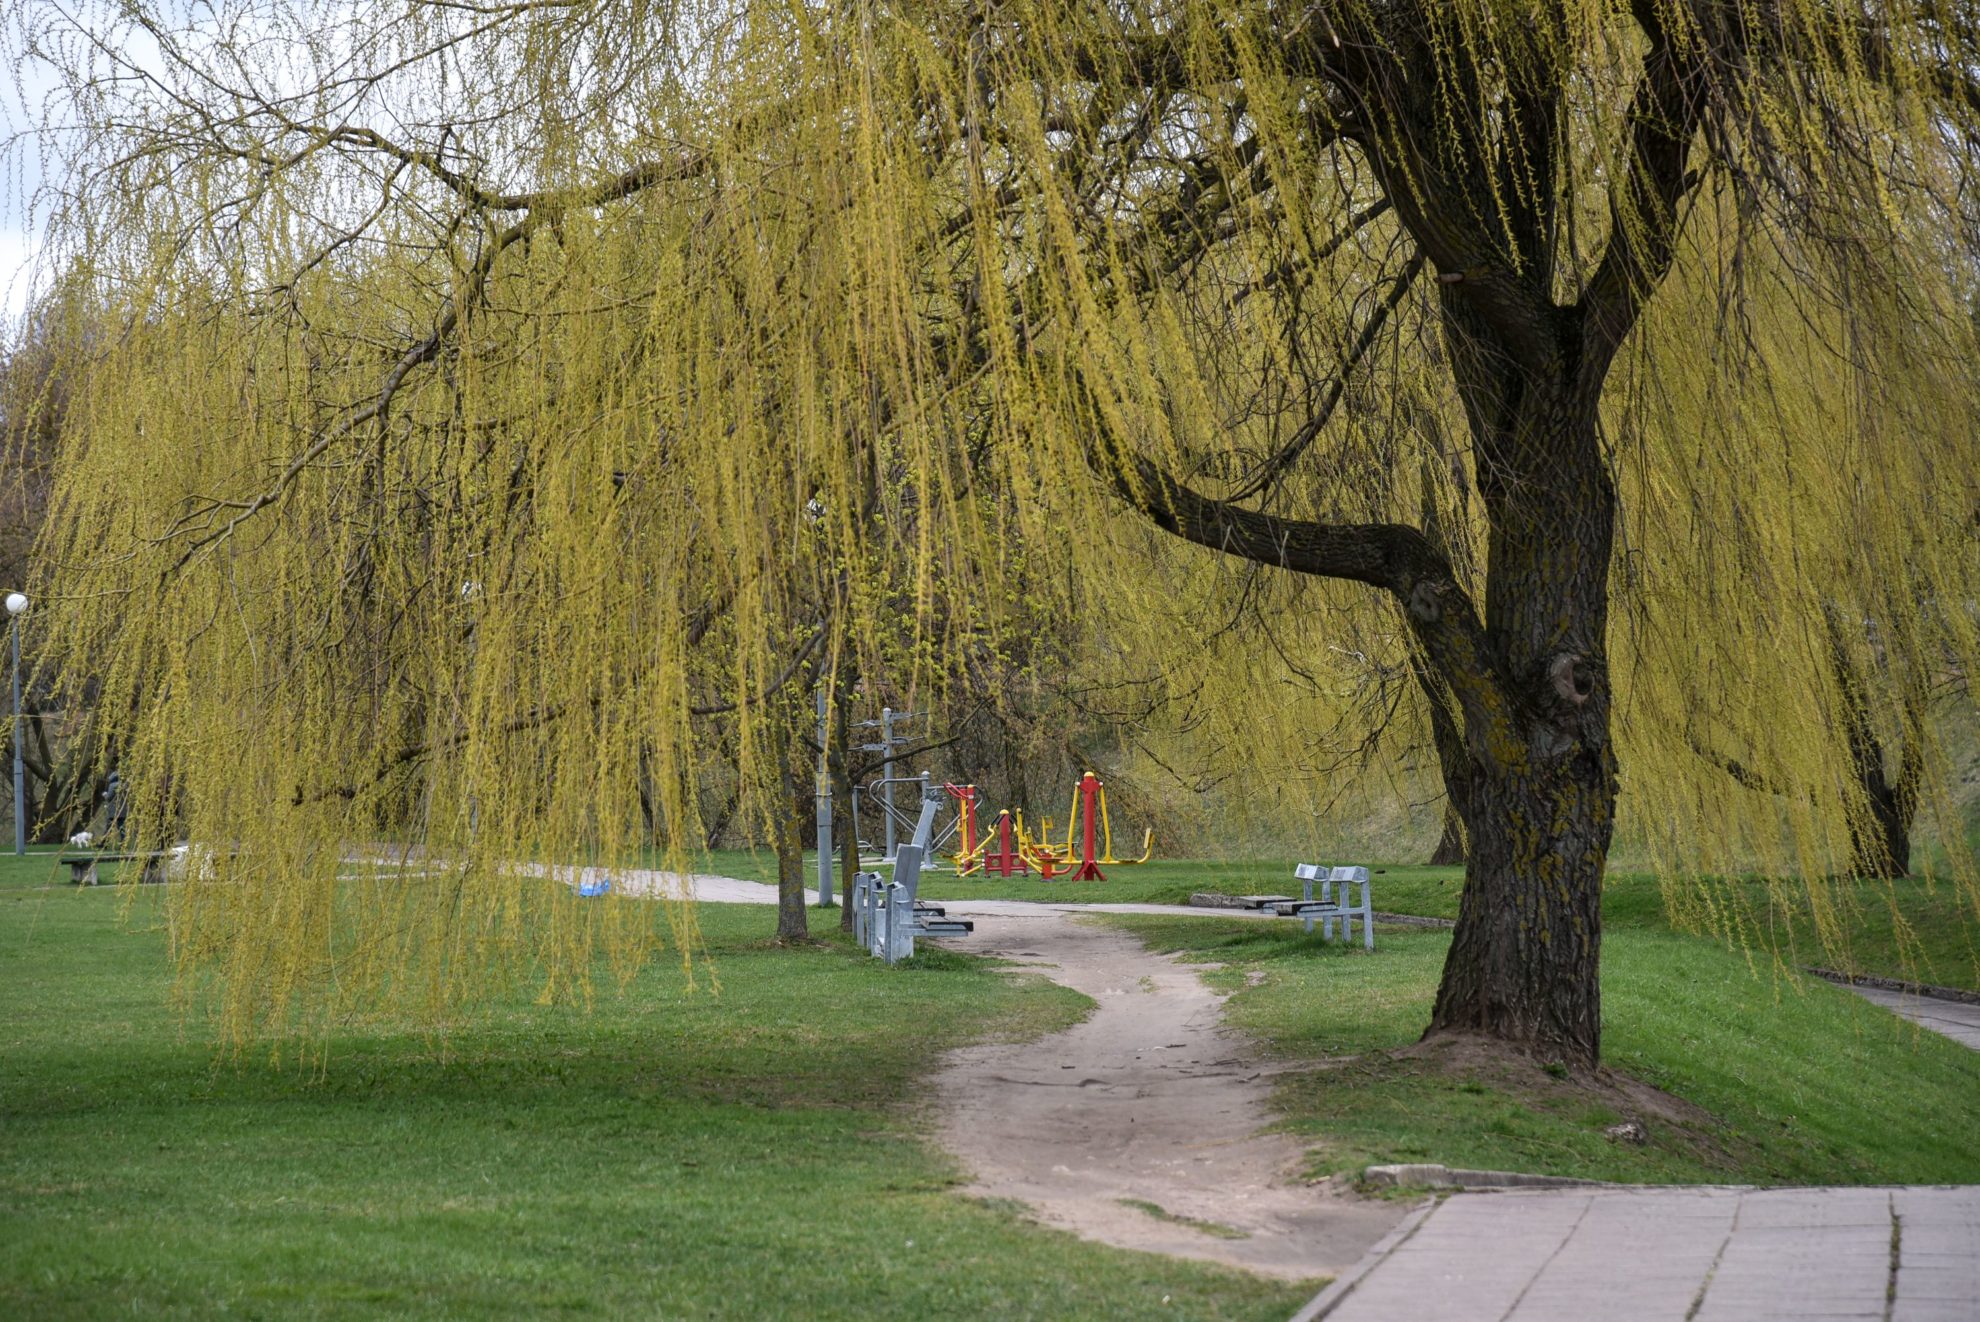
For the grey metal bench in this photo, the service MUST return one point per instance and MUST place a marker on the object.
(1333, 902)
(888, 915)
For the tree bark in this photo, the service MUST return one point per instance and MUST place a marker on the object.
(793, 922)
(1880, 847)
(843, 830)
(1880, 821)
(1450, 845)
(792, 794)
(1536, 786)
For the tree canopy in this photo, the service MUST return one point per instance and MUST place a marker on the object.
(498, 391)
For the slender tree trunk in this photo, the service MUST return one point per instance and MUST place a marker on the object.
(843, 830)
(791, 792)
(1450, 845)
(1880, 822)
(718, 825)
(1537, 783)
(793, 922)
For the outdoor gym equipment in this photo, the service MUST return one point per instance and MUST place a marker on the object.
(1006, 860)
(965, 797)
(1089, 790)
(1086, 802)
(1017, 851)
(890, 744)
(879, 791)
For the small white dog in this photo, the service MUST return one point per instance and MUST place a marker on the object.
(81, 839)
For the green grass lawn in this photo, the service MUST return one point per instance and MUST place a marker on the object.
(1803, 1082)
(752, 1154)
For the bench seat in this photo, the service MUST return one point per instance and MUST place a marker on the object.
(82, 867)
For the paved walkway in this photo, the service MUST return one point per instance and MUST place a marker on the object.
(1958, 1020)
(1713, 1255)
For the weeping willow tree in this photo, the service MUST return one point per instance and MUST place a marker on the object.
(1568, 387)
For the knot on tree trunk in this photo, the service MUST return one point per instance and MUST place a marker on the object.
(1572, 677)
(1426, 601)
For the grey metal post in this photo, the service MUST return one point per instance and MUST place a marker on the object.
(824, 809)
(877, 927)
(900, 923)
(20, 773)
(887, 771)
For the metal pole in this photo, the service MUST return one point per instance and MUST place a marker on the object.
(824, 809)
(20, 783)
(886, 788)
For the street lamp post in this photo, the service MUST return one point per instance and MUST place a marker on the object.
(17, 604)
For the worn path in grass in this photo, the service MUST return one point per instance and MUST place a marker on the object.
(1144, 1126)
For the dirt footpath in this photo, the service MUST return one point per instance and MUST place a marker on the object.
(1142, 1120)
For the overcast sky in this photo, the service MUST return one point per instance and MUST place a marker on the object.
(16, 247)
(20, 179)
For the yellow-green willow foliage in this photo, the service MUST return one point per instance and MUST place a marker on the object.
(465, 439)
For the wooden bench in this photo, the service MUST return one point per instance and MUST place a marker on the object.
(82, 867)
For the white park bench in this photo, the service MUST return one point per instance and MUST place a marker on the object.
(1333, 902)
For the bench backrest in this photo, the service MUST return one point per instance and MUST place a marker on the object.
(924, 825)
(907, 870)
(1359, 875)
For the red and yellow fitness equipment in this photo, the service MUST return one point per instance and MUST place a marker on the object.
(1091, 794)
(965, 855)
(1086, 811)
(1007, 859)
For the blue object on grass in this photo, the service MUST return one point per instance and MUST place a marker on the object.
(589, 889)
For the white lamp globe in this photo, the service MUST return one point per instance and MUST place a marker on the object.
(16, 602)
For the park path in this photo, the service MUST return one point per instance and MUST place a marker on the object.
(1958, 1020)
(1675, 1254)
(1145, 1125)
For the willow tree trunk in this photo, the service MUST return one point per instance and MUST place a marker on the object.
(844, 828)
(1887, 805)
(1537, 786)
(1880, 843)
(1450, 844)
(793, 923)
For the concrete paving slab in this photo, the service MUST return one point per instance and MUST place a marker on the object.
(1710, 1255)
(1582, 1279)
(1957, 1020)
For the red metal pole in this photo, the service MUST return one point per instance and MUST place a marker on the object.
(1089, 810)
(1006, 862)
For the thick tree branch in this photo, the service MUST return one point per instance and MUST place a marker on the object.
(1664, 114)
(1394, 557)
